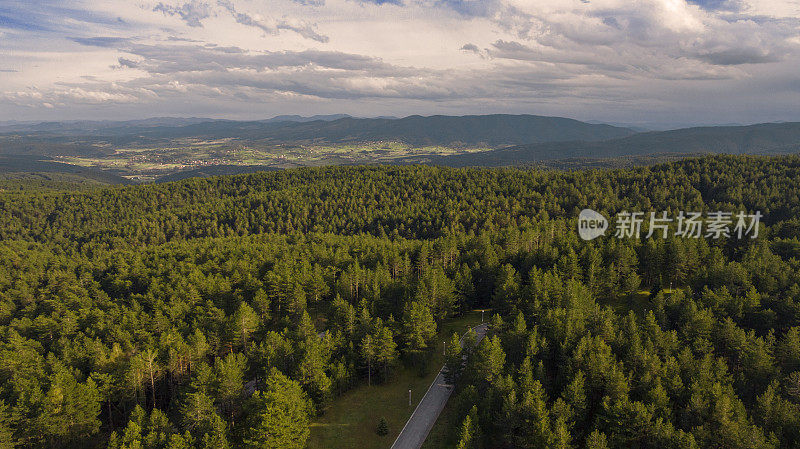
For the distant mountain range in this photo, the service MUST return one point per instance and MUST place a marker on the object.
(82, 126)
(300, 118)
(510, 139)
(470, 130)
(73, 127)
(490, 131)
(767, 138)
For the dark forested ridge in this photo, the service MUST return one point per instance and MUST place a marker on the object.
(229, 311)
(471, 130)
(214, 170)
(44, 168)
(492, 130)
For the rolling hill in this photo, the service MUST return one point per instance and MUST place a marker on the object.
(17, 166)
(475, 130)
(470, 130)
(767, 138)
(215, 147)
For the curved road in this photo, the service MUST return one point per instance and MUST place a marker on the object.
(421, 422)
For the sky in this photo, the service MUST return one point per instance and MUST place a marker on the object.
(646, 62)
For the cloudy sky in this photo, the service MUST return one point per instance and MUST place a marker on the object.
(664, 62)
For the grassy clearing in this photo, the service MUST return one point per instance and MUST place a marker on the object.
(638, 302)
(352, 419)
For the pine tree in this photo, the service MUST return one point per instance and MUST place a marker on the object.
(465, 288)
(453, 360)
(787, 351)
(506, 296)
(489, 360)
(466, 434)
(496, 323)
(368, 353)
(561, 436)
(278, 416)
(196, 412)
(574, 395)
(385, 349)
(311, 372)
(470, 343)
(534, 417)
(262, 305)
(525, 377)
(383, 427)
(596, 440)
(6, 434)
(228, 381)
(148, 370)
(419, 326)
(437, 291)
(243, 323)
(68, 412)
(305, 328)
(315, 284)
(215, 434)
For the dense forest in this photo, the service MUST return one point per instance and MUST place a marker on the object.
(229, 311)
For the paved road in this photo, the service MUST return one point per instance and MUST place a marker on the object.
(421, 422)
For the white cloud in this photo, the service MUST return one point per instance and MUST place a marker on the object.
(652, 59)
(193, 12)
